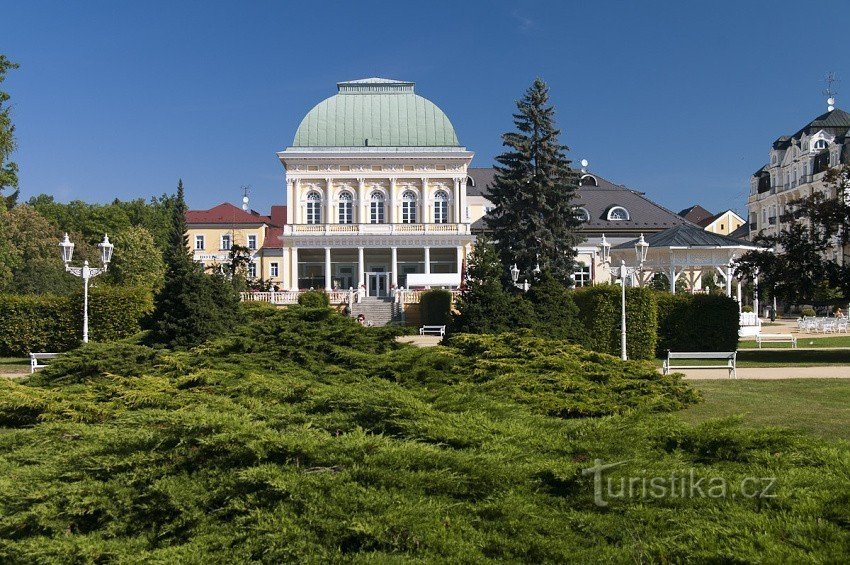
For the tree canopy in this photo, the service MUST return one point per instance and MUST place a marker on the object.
(534, 187)
(8, 169)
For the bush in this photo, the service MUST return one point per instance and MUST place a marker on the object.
(808, 312)
(556, 315)
(749, 309)
(45, 322)
(696, 323)
(435, 308)
(599, 308)
(30, 323)
(314, 299)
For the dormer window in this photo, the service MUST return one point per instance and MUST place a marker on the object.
(618, 214)
(820, 144)
(583, 215)
(588, 180)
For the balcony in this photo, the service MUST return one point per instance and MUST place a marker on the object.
(375, 229)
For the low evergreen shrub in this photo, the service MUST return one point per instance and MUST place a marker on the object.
(600, 312)
(749, 309)
(435, 307)
(808, 312)
(314, 299)
(698, 322)
(556, 315)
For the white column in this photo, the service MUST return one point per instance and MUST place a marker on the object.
(296, 202)
(362, 205)
(427, 260)
(729, 281)
(756, 295)
(328, 268)
(672, 276)
(330, 213)
(360, 268)
(293, 271)
(459, 259)
(394, 267)
(391, 203)
(738, 294)
(458, 187)
(290, 199)
(423, 203)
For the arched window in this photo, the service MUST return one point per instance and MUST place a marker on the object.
(376, 208)
(314, 207)
(346, 208)
(408, 207)
(582, 214)
(820, 144)
(618, 214)
(588, 180)
(441, 207)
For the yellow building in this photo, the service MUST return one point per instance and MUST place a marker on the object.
(212, 233)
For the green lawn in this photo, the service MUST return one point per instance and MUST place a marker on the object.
(819, 406)
(805, 340)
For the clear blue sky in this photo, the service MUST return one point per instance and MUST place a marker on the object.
(678, 99)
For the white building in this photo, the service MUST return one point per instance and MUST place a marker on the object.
(376, 193)
(795, 170)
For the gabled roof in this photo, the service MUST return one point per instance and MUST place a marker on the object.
(644, 214)
(688, 236)
(225, 213)
(695, 213)
(705, 222)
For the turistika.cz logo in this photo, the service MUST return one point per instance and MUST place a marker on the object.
(683, 483)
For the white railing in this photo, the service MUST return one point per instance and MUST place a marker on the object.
(403, 296)
(291, 296)
(382, 229)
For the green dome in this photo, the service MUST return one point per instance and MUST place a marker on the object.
(375, 112)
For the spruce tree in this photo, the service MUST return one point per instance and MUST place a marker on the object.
(192, 306)
(8, 169)
(534, 220)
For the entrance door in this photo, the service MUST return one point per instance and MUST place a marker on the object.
(377, 281)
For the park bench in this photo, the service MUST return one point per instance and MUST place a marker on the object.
(729, 357)
(36, 357)
(433, 330)
(776, 338)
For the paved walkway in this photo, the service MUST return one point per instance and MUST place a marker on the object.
(771, 373)
(421, 340)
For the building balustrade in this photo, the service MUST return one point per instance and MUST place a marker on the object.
(288, 297)
(379, 229)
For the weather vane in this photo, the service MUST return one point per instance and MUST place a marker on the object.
(830, 91)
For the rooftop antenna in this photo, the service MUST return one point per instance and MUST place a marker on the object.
(245, 198)
(830, 91)
(584, 165)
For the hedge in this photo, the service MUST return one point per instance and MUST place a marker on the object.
(435, 308)
(53, 323)
(698, 322)
(314, 299)
(599, 309)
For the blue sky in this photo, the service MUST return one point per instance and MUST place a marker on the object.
(677, 99)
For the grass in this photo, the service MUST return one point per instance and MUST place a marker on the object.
(814, 340)
(818, 406)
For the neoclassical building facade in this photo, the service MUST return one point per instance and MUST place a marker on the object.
(376, 193)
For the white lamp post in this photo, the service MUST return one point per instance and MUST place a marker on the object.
(641, 249)
(86, 273)
(515, 277)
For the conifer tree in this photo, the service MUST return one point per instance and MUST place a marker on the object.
(533, 220)
(192, 306)
(8, 169)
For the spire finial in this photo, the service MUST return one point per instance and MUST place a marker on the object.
(245, 198)
(830, 91)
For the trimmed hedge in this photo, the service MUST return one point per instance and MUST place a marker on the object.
(599, 308)
(698, 322)
(435, 308)
(53, 323)
(314, 299)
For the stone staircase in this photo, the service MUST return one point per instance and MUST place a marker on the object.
(379, 311)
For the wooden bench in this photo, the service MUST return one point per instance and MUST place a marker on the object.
(36, 357)
(776, 338)
(434, 330)
(729, 357)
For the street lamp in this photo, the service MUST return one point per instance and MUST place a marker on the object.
(641, 249)
(86, 272)
(515, 278)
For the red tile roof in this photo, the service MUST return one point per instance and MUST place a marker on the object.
(273, 240)
(225, 213)
(278, 215)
